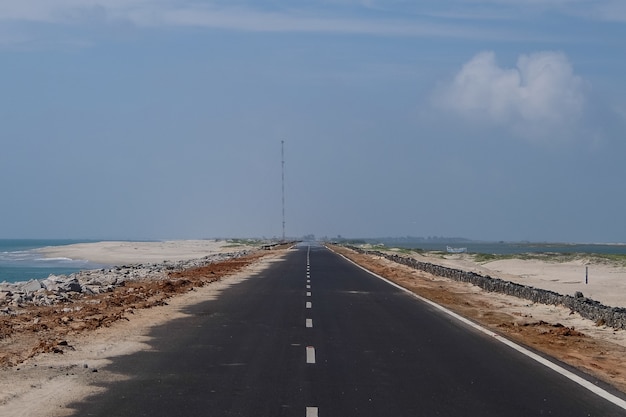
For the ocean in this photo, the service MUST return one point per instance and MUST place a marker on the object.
(20, 260)
(503, 248)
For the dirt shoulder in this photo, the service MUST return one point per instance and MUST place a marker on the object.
(553, 330)
(52, 356)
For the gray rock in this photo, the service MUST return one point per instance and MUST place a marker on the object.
(70, 285)
(31, 286)
(55, 288)
(593, 310)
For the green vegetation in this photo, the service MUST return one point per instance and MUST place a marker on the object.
(410, 250)
(619, 259)
(538, 256)
(233, 243)
(554, 257)
(352, 241)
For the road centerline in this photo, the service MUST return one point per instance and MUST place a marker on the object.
(311, 412)
(310, 354)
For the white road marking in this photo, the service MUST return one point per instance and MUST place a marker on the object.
(310, 354)
(309, 304)
(311, 412)
(308, 287)
(309, 322)
(556, 368)
(308, 281)
(308, 293)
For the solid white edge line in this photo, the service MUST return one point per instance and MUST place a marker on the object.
(310, 354)
(568, 374)
(311, 412)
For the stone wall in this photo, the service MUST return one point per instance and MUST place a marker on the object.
(590, 309)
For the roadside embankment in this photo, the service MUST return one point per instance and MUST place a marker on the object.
(64, 288)
(553, 329)
(590, 309)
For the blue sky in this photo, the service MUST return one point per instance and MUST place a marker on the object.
(159, 119)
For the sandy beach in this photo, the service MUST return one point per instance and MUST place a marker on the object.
(606, 280)
(124, 252)
(45, 383)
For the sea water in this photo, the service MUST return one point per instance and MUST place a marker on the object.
(21, 260)
(506, 248)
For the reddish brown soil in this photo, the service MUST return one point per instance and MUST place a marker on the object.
(601, 358)
(44, 329)
(47, 329)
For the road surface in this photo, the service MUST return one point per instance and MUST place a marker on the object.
(314, 335)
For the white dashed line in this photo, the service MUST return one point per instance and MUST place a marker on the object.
(311, 412)
(308, 281)
(308, 287)
(309, 322)
(308, 293)
(309, 304)
(310, 354)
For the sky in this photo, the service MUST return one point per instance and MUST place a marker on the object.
(163, 119)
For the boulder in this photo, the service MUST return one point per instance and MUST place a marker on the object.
(31, 286)
(71, 285)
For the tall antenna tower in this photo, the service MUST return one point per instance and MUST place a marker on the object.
(282, 154)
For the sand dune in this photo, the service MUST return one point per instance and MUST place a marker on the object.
(122, 252)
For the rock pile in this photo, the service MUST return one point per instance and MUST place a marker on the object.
(590, 309)
(61, 288)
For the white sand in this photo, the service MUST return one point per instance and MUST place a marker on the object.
(119, 253)
(45, 385)
(607, 282)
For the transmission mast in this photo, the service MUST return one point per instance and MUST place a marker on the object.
(282, 154)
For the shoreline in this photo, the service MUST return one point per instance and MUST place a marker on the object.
(86, 352)
(22, 262)
(116, 253)
(75, 366)
(128, 261)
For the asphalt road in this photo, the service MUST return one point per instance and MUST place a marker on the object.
(316, 336)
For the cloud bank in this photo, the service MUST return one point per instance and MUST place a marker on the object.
(540, 97)
(351, 16)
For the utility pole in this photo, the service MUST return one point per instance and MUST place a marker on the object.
(282, 154)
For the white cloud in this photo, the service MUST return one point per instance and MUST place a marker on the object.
(63, 11)
(604, 10)
(538, 97)
(222, 15)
